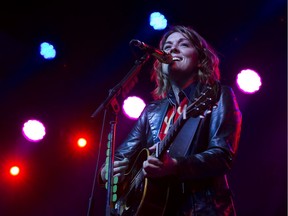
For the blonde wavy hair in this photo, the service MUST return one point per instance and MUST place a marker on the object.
(208, 72)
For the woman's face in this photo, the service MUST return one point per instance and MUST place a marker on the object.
(185, 58)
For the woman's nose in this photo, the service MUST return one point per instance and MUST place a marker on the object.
(173, 49)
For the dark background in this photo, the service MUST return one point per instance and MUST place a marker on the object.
(93, 55)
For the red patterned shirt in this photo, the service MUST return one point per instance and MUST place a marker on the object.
(172, 115)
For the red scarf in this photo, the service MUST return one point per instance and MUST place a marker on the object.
(172, 115)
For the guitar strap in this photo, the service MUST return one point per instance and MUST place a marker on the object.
(183, 140)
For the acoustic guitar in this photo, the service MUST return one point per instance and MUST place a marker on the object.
(141, 196)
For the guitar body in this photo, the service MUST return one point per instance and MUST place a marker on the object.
(140, 196)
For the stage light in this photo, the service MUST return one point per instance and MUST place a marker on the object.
(33, 130)
(79, 140)
(82, 142)
(158, 21)
(14, 170)
(249, 81)
(47, 50)
(133, 106)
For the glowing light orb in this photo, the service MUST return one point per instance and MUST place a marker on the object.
(33, 130)
(249, 81)
(14, 171)
(82, 142)
(158, 21)
(133, 106)
(47, 50)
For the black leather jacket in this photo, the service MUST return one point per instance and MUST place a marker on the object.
(202, 172)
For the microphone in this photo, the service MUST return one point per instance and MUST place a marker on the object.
(157, 53)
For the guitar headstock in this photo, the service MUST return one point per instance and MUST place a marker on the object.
(205, 103)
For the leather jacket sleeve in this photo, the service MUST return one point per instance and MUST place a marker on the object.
(139, 137)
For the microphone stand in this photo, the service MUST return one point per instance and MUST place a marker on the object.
(127, 83)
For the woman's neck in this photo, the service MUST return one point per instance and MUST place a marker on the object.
(178, 86)
(183, 83)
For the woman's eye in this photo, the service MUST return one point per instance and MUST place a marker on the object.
(166, 48)
(185, 45)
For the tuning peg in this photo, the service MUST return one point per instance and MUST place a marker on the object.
(208, 111)
(203, 115)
